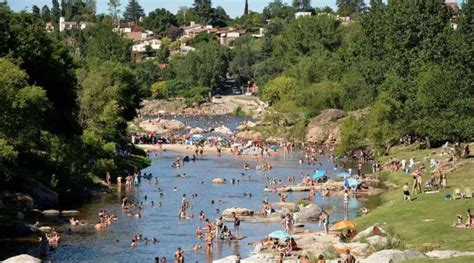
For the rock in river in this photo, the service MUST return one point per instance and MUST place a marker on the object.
(24, 258)
(51, 212)
(69, 212)
(239, 211)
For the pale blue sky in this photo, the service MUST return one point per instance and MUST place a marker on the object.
(233, 7)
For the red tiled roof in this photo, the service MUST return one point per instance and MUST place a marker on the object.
(453, 6)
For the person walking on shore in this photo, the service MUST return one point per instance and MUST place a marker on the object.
(324, 219)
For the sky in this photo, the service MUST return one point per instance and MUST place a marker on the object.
(233, 7)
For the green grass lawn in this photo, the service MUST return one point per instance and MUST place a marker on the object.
(425, 223)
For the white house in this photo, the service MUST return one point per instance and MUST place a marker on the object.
(302, 14)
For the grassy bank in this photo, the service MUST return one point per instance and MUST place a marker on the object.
(424, 223)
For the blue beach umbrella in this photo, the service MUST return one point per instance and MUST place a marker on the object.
(343, 175)
(319, 174)
(280, 234)
(351, 182)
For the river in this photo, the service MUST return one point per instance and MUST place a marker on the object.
(112, 245)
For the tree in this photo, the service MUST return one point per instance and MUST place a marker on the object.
(22, 108)
(105, 44)
(133, 12)
(246, 8)
(114, 10)
(246, 51)
(277, 8)
(159, 20)
(35, 10)
(206, 67)
(349, 7)
(47, 62)
(55, 13)
(45, 14)
(302, 5)
(185, 16)
(353, 136)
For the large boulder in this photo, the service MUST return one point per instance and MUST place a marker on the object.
(324, 128)
(356, 248)
(371, 230)
(327, 116)
(392, 256)
(377, 240)
(51, 213)
(42, 196)
(238, 210)
(310, 212)
(24, 258)
(16, 200)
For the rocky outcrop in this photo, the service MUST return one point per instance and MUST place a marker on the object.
(310, 212)
(42, 196)
(392, 256)
(24, 258)
(51, 213)
(238, 210)
(249, 135)
(162, 125)
(324, 128)
(371, 230)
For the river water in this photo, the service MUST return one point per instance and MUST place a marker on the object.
(112, 245)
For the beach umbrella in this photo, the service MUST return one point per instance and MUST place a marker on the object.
(351, 182)
(235, 145)
(344, 174)
(319, 174)
(343, 225)
(274, 147)
(280, 234)
(197, 136)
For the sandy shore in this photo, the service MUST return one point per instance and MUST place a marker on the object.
(190, 149)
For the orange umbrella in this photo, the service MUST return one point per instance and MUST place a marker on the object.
(343, 224)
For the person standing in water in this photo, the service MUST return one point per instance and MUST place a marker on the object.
(179, 255)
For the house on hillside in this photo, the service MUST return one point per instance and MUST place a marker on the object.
(302, 14)
(228, 35)
(69, 25)
(49, 27)
(194, 29)
(454, 11)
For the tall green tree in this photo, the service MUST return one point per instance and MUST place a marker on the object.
(350, 7)
(45, 14)
(133, 12)
(55, 12)
(159, 20)
(246, 8)
(35, 11)
(302, 5)
(114, 10)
